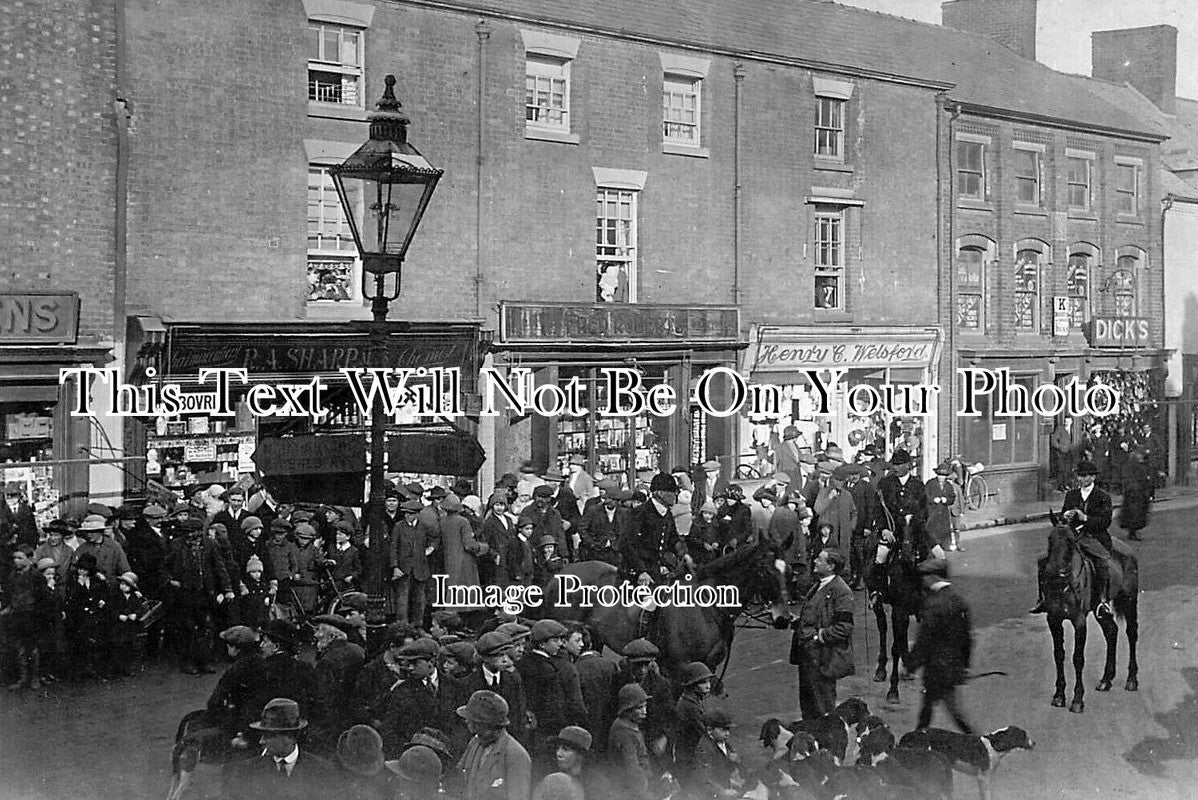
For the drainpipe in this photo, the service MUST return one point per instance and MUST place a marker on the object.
(122, 120)
(484, 33)
(738, 77)
(951, 329)
(1174, 410)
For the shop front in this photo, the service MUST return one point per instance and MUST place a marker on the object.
(665, 344)
(43, 448)
(897, 410)
(202, 448)
(1024, 459)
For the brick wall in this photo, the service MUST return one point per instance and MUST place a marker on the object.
(1144, 57)
(58, 150)
(1010, 22)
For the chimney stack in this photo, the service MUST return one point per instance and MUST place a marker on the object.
(1009, 22)
(1144, 57)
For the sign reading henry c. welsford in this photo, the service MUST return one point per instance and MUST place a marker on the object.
(1119, 332)
(39, 318)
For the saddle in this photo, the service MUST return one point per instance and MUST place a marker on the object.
(1114, 576)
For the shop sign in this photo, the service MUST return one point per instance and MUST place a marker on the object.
(1119, 332)
(604, 322)
(39, 318)
(190, 351)
(1060, 316)
(785, 352)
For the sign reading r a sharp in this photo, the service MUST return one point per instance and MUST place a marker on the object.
(39, 318)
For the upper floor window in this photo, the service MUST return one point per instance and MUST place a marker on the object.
(680, 98)
(548, 60)
(334, 64)
(1079, 168)
(971, 286)
(547, 92)
(1127, 186)
(828, 243)
(616, 245)
(831, 103)
(333, 274)
(1124, 282)
(971, 168)
(1030, 257)
(1079, 283)
(1028, 159)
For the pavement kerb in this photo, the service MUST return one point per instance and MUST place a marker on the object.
(1173, 497)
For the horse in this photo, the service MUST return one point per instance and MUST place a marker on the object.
(683, 634)
(1069, 595)
(896, 584)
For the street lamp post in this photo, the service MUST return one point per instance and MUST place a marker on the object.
(384, 188)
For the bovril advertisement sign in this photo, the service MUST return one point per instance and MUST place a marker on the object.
(1119, 332)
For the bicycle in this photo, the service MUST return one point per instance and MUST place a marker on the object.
(975, 491)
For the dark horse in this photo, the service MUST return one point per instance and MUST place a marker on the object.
(682, 634)
(896, 584)
(1069, 595)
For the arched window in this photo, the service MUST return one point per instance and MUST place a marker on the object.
(1079, 282)
(1030, 257)
(1125, 282)
(973, 253)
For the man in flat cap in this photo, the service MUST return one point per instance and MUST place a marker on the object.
(943, 646)
(547, 519)
(338, 662)
(416, 702)
(231, 704)
(496, 672)
(546, 699)
(602, 527)
(198, 581)
(411, 540)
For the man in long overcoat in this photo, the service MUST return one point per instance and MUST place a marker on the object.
(822, 644)
(900, 510)
(941, 495)
(944, 644)
(197, 580)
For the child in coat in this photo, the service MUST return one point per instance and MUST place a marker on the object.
(253, 607)
(88, 619)
(344, 561)
(703, 542)
(716, 772)
(27, 608)
(127, 604)
(546, 562)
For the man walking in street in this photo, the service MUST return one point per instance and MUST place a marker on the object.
(943, 646)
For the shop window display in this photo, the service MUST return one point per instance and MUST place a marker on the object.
(611, 445)
(26, 437)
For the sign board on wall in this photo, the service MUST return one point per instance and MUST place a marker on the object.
(784, 350)
(1060, 316)
(1119, 332)
(39, 318)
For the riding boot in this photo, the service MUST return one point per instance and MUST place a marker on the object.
(1102, 577)
(1039, 608)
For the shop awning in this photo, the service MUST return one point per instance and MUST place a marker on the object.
(434, 450)
(314, 469)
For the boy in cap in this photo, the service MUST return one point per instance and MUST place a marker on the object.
(231, 706)
(496, 672)
(415, 702)
(640, 667)
(602, 526)
(309, 560)
(546, 700)
(547, 561)
(716, 771)
(689, 710)
(343, 561)
(411, 540)
(703, 541)
(382, 675)
(496, 766)
(282, 557)
(632, 773)
(28, 607)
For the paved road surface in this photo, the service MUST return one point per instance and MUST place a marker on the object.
(103, 740)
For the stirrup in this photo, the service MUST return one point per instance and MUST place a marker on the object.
(1104, 609)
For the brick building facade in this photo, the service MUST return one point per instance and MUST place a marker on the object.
(59, 267)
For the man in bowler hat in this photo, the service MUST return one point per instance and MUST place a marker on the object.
(283, 770)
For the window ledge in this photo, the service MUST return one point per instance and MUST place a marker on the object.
(1088, 216)
(678, 149)
(1129, 219)
(823, 315)
(545, 135)
(336, 111)
(969, 204)
(831, 164)
(1030, 211)
(347, 309)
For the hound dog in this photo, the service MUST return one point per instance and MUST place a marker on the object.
(924, 772)
(973, 755)
(832, 732)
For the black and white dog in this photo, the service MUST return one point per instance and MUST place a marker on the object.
(973, 755)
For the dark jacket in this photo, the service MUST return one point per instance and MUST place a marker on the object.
(1097, 508)
(374, 685)
(408, 544)
(596, 676)
(574, 710)
(243, 548)
(689, 713)
(232, 701)
(198, 568)
(865, 498)
(901, 501)
(629, 759)
(146, 550)
(601, 535)
(736, 523)
(511, 688)
(1137, 494)
(258, 778)
(411, 706)
(826, 612)
(337, 670)
(546, 700)
(284, 675)
(712, 770)
(650, 541)
(945, 641)
(19, 527)
(347, 563)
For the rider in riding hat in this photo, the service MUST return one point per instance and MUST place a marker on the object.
(650, 547)
(899, 513)
(1088, 510)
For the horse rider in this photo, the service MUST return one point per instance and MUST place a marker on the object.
(900, 510)
(652, 538)
(1088, 509)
